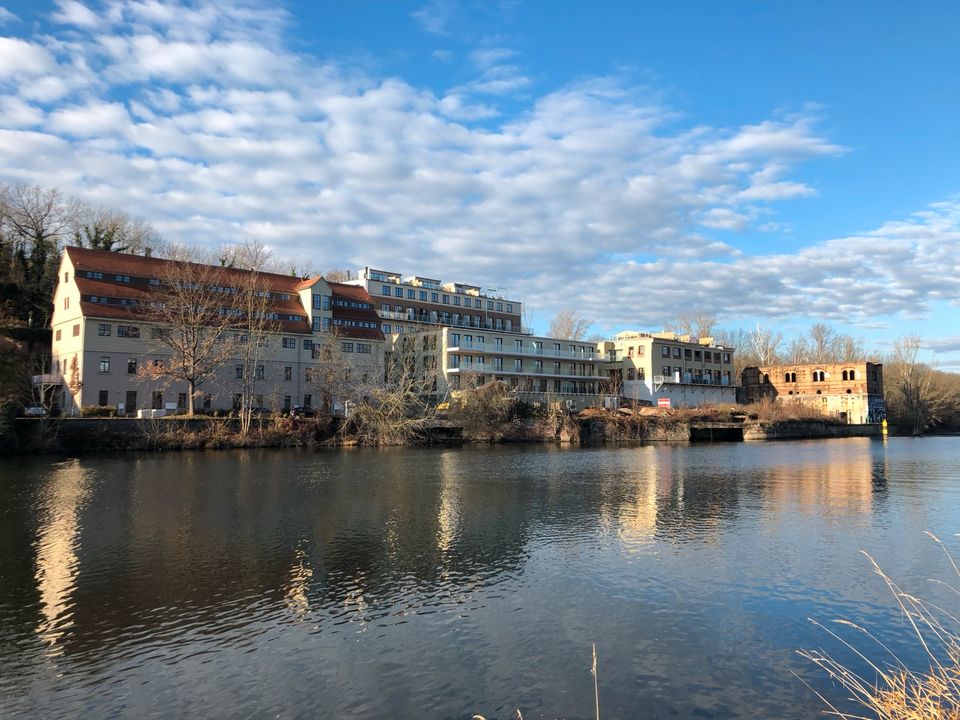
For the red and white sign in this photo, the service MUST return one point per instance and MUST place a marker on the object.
(663, 402)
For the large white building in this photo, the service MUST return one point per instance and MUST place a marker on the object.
(103, 336)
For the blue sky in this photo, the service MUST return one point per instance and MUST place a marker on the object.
(775, 163)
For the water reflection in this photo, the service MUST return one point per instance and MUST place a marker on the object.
(57, 542)
(385, 582)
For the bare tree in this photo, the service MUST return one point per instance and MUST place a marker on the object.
(765, 345)
(251, 304)
(400, 409)
(823, 343)
(110, 229)
(913, 391)
(701, 324)
(798, 351)
(568, 324)
(740, 340)
(191, 312)
(338, 275)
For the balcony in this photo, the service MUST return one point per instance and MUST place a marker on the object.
(688, 380)
(48, 379)
(430, 320)
(525, 372)
(524, 351)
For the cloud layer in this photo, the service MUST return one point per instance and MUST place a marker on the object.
(202, 119)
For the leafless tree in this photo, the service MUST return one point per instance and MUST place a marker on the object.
(338, 275)
(765, 344)
(741, 341)
(192, 313)
(701, 324)
(402, 408)
(568, 324)
(912, 385)
(798, 351)
(110, 229)
(251, 304)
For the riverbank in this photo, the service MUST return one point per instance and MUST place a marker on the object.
(83, 435)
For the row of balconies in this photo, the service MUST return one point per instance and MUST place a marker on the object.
(689, 380)
(523, 372)
(434, 319)
(525, 351)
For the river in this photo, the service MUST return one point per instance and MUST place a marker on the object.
(438, 583)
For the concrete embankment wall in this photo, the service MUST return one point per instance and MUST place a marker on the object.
(807, 429)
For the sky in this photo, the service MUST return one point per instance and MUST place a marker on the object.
(773, 163)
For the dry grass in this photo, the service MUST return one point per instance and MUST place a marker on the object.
(768, 410)
(897, 691)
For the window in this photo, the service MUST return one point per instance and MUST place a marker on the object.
(454, 339)
(631, 374)
(259, 372)
(131, 366)
(664, 351)
(103, 330)
(446, 299)
(366, 348)
(66, 303)
(286, 403)
(289, 342)
(398, 292)
(456, 299)
(181, 401)
(411, 294)
(697, 355)
(518, 364)
(326, 302)
(288, 373)
(346, 347)
(57, 335)
(130, 331)
(509, 308)
(385, 328)
(498, 363)
(499, 307)
(676, 353)
(307, 400)
(423, 295)
(666, 370)
(308, 344)
(76, 330)
(238, 372)
(385, 290)
(66, 277)
(477, 303)
(726, 357)
(103, 398)
(434, 297)
(489, 304)
(105, 364)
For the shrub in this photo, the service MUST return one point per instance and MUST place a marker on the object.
(98, 411)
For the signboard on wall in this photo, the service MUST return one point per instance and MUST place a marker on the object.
(663, 402)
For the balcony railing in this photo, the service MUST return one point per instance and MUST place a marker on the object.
(48, 379)
(543, 372)
(472, 325)
(525, 351)
(688, 380)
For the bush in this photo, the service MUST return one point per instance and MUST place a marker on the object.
(98, 411)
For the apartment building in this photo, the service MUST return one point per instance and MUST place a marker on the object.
(851, 392)
(647, 367)
(105, 331)
(410, 303)
(537, 369)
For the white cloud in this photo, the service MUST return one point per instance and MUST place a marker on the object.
(7, 17)
(225, 133)
(433, 17)
(71, 12)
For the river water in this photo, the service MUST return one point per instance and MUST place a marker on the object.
(438, 583)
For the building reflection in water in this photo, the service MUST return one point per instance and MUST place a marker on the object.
(298, 586)
(57, 548)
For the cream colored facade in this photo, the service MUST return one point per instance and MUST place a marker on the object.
(100, 346)
(690, 372)
(537, 369)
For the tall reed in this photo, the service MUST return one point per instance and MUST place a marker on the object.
(888, 688)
